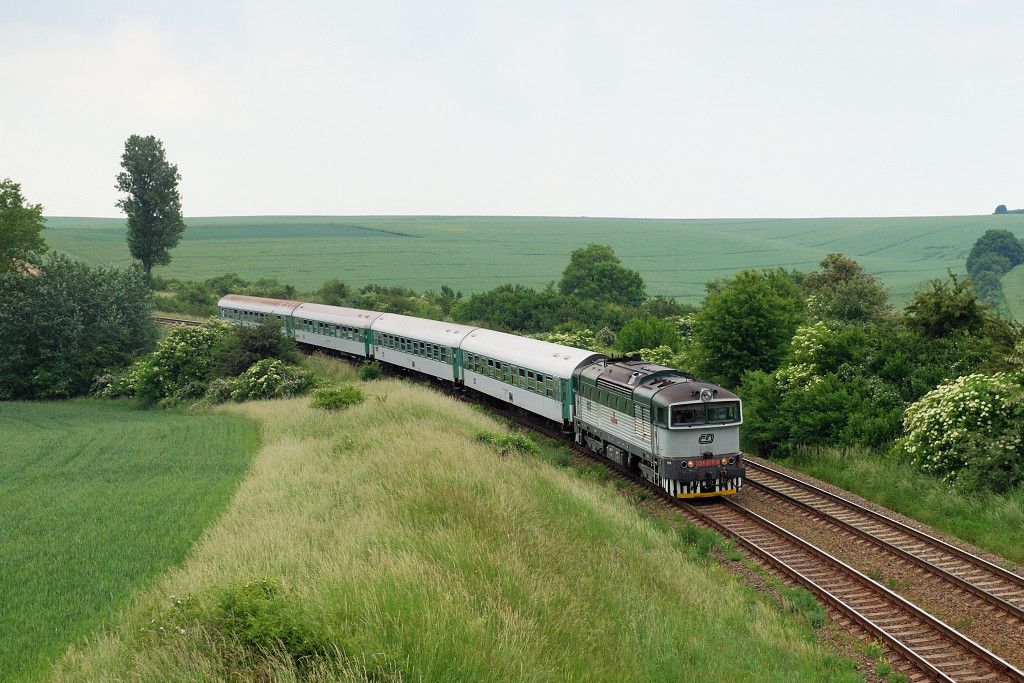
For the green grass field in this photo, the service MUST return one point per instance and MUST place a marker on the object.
(1013, 292)
(675, 257)
(97, 499)
(989, 521)
(388, 543)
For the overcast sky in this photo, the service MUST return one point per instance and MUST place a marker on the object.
(662, 109)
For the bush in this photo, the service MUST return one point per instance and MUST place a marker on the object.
(221, 389)
(182, 364)
(579, 338)
(236, 352)
(249, 625)
(271, 378)
(661, 355)
(971, 428)
(370, 371)
(948, 307)
(118, 384)
(338, 398)
(647, 333)
(509, 440)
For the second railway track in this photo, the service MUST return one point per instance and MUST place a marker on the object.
(985, 580)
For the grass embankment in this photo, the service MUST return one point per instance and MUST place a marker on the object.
(388, 541)
(97, 499)
(994, 522)
(476, 253)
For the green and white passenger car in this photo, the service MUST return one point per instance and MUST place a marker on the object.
(334, 327)
(532, 374)
(427, 346)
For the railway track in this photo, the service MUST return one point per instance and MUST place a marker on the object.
(935, 649)
(161, 320)
(976, 576)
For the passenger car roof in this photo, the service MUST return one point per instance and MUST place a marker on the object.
(551, 359)
(433, 331)
(338, 315)
(258, 304)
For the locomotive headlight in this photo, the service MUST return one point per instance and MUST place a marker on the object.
(732, 460)
(689, 464)
(724, 461)
(706, 395)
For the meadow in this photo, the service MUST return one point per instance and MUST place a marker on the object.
(990, 521)
(473, 254)
(98, 499)
(391, 543)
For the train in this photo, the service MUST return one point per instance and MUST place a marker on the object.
(678, 432)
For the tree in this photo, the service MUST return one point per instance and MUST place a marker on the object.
(842, 291)
(949, 306)
(647, 333)
(746, 323)
(1001, 209)
(334, 292)
(512, 307)
(595, 273)
(1002, 242)
(71, 323)
(21, 226)
(152, 204)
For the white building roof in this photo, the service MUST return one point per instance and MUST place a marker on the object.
(337, 315)
(433, 331)
(258, 304)
(551, 359)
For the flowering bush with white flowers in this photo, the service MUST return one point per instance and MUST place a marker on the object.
(580, 339)
(271, 378)
(181, 365)
(970, 429)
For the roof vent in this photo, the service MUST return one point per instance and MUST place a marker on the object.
(633, 378)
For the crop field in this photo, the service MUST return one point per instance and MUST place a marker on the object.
(97, 499)
(390, 543)
(472, 254)
(1013, 292)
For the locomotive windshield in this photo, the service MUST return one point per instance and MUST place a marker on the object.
(694, 414)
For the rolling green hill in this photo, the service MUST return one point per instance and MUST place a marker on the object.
(676, 257)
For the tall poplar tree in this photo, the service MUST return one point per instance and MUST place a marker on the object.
(152, 204)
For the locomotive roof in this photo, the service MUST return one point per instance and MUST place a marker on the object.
(651, 382)
(258, 304)
(545, 357)
(433, 331)
(339, 315)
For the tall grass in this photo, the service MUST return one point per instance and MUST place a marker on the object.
(96, 499)
(389, 542)
(994, 522)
